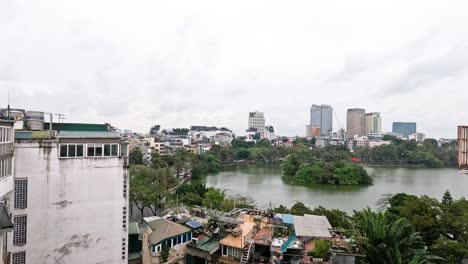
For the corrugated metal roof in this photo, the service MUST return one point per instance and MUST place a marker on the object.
(312, 226)
(31, 134)
(193, 224)
(134, 228)
(88, 134)
(207, 244)
(288, 219)
(163, 229)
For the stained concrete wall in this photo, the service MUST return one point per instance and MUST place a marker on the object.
(75, 207)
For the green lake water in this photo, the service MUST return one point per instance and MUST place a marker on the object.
(264, 185)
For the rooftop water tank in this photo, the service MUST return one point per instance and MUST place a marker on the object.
(34, 120)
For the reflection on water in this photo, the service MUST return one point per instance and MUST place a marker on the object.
(264, 185)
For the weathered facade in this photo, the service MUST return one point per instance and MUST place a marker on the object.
(6, 184)
(71, 203)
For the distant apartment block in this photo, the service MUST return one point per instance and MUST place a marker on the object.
(321, 121)
(404, 129)
(70, 195)
(257, 121)
(373, 123)
(358, 142)
(355, 122)
(463, 147)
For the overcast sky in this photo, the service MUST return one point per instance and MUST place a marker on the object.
(174, 63)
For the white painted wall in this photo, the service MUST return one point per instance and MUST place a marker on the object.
(75, 207)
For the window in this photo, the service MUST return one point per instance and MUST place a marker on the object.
(115, 150)
(18, 258)
(90, 150)
(179, 240)
(224, 250)
(79, 150)
(20, 230)
(71, 150)
(6, 167)
(21, 193)
(98, 150)
(103, 150)
(107, 150)
(63, 150)
(158, 248)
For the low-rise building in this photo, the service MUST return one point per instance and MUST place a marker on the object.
(419, 137)
(70, 196)
(233, 245)
(162, 236)
(357, 142)
(377, 143)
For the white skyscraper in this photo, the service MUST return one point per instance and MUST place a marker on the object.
(257, 122)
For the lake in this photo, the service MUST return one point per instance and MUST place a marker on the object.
(264, 185)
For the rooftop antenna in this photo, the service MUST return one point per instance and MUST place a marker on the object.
(8, 107)
(61, 117)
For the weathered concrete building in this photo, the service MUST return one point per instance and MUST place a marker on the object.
(71, 196)
(6, 183)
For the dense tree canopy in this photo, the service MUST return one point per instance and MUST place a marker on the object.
(316, 167)
(409, 152)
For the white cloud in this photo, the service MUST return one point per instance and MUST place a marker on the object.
(138, 63)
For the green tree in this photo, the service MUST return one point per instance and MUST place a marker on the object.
(322, 247)
(146, 190)
(136, 157)
(447, 199)
(387, 241)
(213, 198)
(165, 253)
(290, 165)
(300, 209)
(424, 214)
(337, 218)
(451, 251)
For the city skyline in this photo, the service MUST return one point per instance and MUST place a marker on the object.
(200, 65)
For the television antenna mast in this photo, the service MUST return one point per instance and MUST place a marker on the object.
(61, 117)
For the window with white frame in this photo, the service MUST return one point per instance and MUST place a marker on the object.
(21, 193)
(71, 150)
(102, 150)
(20, 230)
(6, 134)
(18, 257)
(6, 167)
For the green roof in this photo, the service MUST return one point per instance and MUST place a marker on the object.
(88, 134)
(134, 228)
(207, 244)
(77, 127)
(134, 255)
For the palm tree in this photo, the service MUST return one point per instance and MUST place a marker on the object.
(386, 241)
